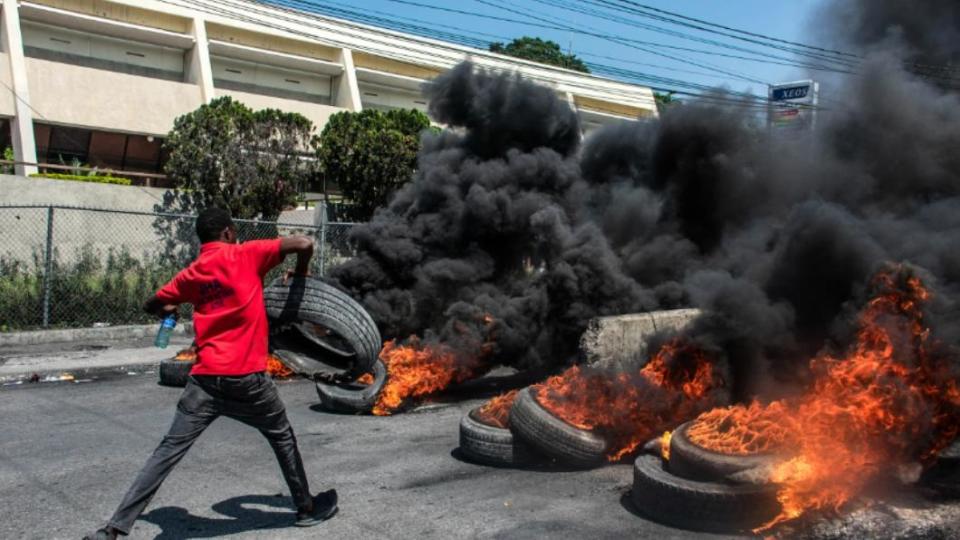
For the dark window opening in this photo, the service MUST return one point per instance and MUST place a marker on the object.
(60, 145)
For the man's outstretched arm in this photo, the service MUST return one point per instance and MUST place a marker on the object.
(303, 247)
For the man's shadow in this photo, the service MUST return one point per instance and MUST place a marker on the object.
(176, 522)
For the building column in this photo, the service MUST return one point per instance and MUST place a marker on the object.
(198, 70)
(348, 91)
(572, 102)
(21, 126)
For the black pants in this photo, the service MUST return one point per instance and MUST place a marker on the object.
(252, 399)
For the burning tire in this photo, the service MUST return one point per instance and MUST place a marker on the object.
(349, 330)
(176, 371)
(546, 433)
(486, 438)
(353, 397)
(691, 461)
(700, 506)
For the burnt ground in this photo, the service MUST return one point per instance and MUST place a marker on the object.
(68, 452)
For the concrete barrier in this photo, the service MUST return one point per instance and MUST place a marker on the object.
(107, 333)
(620, 341)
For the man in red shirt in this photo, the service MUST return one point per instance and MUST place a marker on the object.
(225, 286)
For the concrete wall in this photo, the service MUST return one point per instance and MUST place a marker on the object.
(100, 99)
(25, 229)
(20, 190)
(620, 341)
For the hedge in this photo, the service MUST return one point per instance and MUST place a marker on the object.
(78, 178)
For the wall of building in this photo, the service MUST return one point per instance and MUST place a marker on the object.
(95, 98)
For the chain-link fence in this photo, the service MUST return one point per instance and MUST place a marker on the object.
(74, 267)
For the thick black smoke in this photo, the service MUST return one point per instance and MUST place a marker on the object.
(489, 227)
(775, 237)
(926, 33)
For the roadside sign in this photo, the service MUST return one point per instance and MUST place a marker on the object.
(793, 105)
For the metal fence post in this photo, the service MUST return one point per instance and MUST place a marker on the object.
(48, 268)
(323, 244)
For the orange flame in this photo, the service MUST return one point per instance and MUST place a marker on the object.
(744, 429)
(888, 402)
(365, 379)
(496, 411)
(665, 445)
(186, 355)
(276, 368)
(679, 382)
(415, 370)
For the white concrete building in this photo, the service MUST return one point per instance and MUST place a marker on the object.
(102, 81)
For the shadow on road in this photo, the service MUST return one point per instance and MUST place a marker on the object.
(242, 516)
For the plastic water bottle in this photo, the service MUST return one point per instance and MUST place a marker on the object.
(166, 328)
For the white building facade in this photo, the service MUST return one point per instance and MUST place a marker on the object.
(101, 82)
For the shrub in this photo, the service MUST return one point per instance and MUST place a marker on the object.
(90, 287)
(78, 178)
(370, 154)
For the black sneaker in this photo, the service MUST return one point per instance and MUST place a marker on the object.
(100, 534)
(324, 508)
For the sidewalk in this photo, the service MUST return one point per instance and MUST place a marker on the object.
(83, 358)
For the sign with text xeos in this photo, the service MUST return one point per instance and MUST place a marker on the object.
(793, 105)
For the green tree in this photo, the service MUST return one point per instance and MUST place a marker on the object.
(538, 50)
(225, 154)
(370, 154)
(664, 100)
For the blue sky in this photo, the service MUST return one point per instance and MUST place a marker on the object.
(790, 20)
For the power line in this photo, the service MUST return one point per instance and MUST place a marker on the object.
(847, 58)
(737, 30)
(766, 56)
(626, 43)
(796, 50)
(392, 46)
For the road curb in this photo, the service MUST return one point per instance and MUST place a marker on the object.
(106, 333)
(76, 375)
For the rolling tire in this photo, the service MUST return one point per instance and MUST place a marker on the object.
(699, 506)
(175, 372)
(491, 445)
(545, 433)
(688, 460)
(311, 300)
(353, 397)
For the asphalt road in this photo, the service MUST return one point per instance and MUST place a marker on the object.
(69, 451)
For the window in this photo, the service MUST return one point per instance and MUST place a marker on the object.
(58, 145)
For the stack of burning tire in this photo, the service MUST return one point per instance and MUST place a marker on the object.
(485, 435)
(515, 430)
(707, 480)
(586, 417)
(322, 333)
